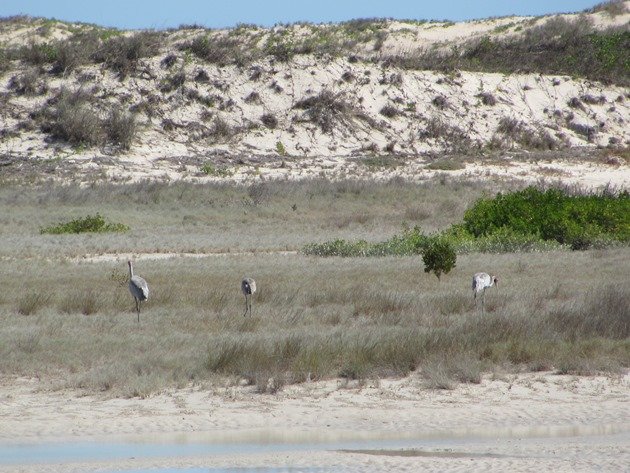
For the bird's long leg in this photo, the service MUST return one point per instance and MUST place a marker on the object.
(250, 306)
(138, 308)
(483, 301)
(245, 313)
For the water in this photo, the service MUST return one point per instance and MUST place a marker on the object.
(95, 451)
(224, 470)
(266, 442)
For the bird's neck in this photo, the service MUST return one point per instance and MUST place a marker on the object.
(130, 271)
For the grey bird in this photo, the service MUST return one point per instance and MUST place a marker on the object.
(138, 287)
(248, 286)
(480, 282)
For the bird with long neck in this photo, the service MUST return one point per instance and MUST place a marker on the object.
(138, 287)
(480, 282)
(248, 287)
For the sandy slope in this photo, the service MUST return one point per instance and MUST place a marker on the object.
(527, 422)
(176, 138)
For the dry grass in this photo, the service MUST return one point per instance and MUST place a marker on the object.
(73, 323)
(313, 319)
(184, 217)
(329, 109)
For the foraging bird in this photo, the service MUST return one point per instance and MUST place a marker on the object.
(138, 287)
(248, 286)
(480, 282)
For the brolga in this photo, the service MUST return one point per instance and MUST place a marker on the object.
(481, 282)
(248, 286)
(138, 287)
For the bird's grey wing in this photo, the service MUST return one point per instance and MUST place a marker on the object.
(142, 286)
(245, 287)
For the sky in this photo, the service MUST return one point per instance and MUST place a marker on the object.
(160, 14)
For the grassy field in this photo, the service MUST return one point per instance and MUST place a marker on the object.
(186, 217)
(357, 318)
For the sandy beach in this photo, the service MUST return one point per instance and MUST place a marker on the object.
(524, 422)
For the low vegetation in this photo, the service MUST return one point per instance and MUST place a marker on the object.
(328, 109)
(553, 215)
(70, 116)
(90, 224)
(556, 46)
(357, 319)
(210, 169)
(314, 318)
(527, 220)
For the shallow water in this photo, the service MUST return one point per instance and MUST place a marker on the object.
(223, 470)
(442, 444)
(89, 451)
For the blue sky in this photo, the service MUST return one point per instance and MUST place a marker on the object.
(212, 13)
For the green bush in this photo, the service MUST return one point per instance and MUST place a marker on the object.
(527, 220)
(439, 257)
(553, 214)
(211, 170)
(90, 224)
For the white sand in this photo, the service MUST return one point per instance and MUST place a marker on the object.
(529, 422)
(539, 102)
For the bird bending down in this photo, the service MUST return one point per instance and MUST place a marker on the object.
(480, 282)
(138, 287)
(248, 286)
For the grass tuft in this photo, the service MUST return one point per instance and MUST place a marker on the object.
(31, 302)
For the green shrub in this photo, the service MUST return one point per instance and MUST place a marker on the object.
(90, 224)
(280, 149)
(439, 257)
(527, 220)
(552, 214)
(211, 170)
